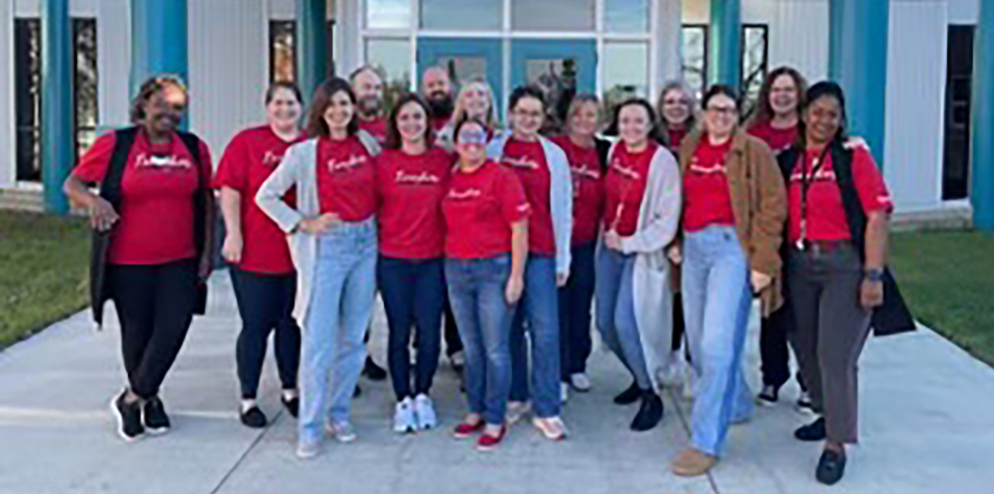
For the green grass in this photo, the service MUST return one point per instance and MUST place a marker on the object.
(43, 272)
(947, 279)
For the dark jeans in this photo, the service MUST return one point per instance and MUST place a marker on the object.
(265, 303)
(538, 315)
(413, 293)
(155, 307)
(575, 300)
(832, 328)
(773, 350)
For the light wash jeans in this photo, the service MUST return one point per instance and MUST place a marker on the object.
(538, 314)
(339, 313)
(476, 292)
(716, 302)
(614, 291)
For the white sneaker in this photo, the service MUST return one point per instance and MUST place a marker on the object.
(458, 360)
(552, 428)
(689, 382)
(343, 432)
(563, 392)
(673, 374)
(308, 450)
(424, 410)
(804, 403)
(403, 417)
(580, 382)
(516, 410)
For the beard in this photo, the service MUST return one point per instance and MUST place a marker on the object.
(370, 106)
(440, 104)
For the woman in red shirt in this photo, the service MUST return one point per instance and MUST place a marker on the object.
(837, 252)
(486, 246)
(677, 114)
(262, 273)
(332, 235)
(412, 178)
(155, 204)
(776, 123)
(587, 155)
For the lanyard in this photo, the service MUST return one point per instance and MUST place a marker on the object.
(806, 182)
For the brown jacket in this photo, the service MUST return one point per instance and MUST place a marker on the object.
(759, 202)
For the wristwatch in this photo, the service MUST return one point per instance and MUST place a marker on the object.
(874, 275)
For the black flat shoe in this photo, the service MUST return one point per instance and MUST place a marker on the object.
(254, 418)
(292, 405)
(831, 467)
(374, 372)
(358, 392)
(650, 413)
(628, 396)
(814, 431)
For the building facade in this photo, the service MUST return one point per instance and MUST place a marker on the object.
(911, 75)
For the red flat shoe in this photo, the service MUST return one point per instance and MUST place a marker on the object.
(488, 442)
(465, 429)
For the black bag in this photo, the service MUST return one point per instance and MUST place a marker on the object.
(110, 190)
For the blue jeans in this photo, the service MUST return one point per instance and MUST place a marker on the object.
(616, 312)
(574, 312)
(476, 292)
(339, 312)
(539, 314)
(413, 292)
(716, 302)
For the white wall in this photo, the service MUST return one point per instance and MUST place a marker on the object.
(916, 84)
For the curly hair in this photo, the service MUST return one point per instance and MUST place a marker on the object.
(149, 88)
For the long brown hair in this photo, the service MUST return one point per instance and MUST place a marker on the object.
(764, 110)
(394, 140)
(316, 126)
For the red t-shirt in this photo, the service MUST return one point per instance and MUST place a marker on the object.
(527, 159)
(157, 188)
(479, 209)
(376, 127)
(247, 162)
(411, 188)
(676, 137)
(627, 176)
(777, 139)
(826, 216)
(706, 198)
(346, 179)
(588, 189)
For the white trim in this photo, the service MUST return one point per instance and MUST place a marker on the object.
(7, 16)
(599, 10)
(414, 25)
(506, 63)
(652, 85)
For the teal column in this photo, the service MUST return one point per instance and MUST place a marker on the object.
(312, 45)
(858, 57)
(982, 163)
(726, 42)
(57, 115)
(158, 40)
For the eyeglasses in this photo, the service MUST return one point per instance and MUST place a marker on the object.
(529, 114)
(472, 137)
(722, 110)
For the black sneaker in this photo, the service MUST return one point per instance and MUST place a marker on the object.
(831, 467)
(292, 405)
(814, 431)
(769, 396)
(358, 391)
(628, 396)
(154, 416)
(129, 418)
(650, 413)
(373, 371)
(253, 418)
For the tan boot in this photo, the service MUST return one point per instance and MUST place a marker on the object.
(693, 463)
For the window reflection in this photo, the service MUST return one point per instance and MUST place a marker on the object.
(626, 16)
(626, 71)
(462, 15)
(388, 14)
(552, 15)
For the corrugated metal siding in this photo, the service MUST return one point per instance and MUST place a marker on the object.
(799, 37)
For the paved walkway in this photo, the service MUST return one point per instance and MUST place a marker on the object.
(928, 426)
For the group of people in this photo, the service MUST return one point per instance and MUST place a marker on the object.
(673, 219)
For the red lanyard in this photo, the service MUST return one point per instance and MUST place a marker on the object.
(806, 181)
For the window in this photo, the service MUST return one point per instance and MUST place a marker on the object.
(694, 38)
(626, 16)
(388, 14)
(959, 96)
(27, 85)
(552, 15)
(462, 15)
(393, 57)
(283, 51)
(625, 71)
(754, 63)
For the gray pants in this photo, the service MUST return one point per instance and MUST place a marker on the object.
(831, 329)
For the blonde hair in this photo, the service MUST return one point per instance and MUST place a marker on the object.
(574, 107)
(459, 112)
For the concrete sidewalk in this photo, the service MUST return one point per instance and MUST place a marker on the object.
(927, 423)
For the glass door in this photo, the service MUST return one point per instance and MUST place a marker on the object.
(560, 68)
(465, 59)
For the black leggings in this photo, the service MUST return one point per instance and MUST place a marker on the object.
(265, 303)
(155, 307)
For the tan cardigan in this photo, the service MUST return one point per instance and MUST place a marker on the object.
(759, 202)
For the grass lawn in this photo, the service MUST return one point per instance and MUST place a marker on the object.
(948, 281)
(44, 261)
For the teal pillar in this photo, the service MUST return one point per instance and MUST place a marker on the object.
(312, 45)
(726, 42)
(858, 57)
(158, 40)
(57, 115)
(982, 162)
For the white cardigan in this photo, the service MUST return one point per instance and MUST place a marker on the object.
(299, 168)
(659, 219)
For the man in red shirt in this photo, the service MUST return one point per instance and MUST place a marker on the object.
(367, 84)
(436, 87)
